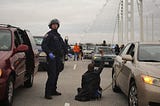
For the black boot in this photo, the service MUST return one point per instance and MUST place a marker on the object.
(56, 93)
(48, 97)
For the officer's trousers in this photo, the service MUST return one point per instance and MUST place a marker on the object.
(53, 73)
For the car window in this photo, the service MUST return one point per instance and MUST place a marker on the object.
(149, 53)
(20, 35)
(90, 48)
(16, 39)
(30, 36)
(106, 50)
(131, 50)
(125, 50)
(5, 40)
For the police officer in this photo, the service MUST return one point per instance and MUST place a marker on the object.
(55, 48)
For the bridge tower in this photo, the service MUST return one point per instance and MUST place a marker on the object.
(140, 10)
(129, 20)
(120, 23)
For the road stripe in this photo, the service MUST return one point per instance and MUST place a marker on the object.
(67, 104)
(75, 66)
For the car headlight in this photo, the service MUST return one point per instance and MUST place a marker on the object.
(151, 80)
(42, 54)
(1, 72)
(95, 57)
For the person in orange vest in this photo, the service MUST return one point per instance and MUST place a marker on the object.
(76, 50)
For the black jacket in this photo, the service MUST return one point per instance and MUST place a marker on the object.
(91, 80)
(90, 84)
(53, 43)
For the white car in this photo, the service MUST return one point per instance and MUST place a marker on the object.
(88, 51)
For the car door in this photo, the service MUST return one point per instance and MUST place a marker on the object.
(119, 67)
(34, 49)
(127, 68)
(18, 61)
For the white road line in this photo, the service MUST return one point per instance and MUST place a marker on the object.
(67, 104)
(75, 66)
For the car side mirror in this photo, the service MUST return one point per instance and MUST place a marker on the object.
(127, 58)
(21, 48)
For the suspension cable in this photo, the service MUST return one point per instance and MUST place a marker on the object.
(99, 13)
(93, 22)
(116, 20)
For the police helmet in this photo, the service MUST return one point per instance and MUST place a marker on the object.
(53, 21)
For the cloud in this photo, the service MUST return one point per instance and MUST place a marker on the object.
(80, 19)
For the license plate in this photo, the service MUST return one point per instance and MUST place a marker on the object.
(106, 63)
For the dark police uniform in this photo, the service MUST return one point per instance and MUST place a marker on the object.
(53, 43)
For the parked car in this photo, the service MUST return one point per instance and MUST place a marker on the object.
(109, 55)
(17, 65)
(136, 72)
(88, 51)
(42, 55)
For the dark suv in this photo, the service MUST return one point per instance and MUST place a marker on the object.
(18, 61)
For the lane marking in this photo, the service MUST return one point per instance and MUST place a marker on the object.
(75, 66)
(67, 104)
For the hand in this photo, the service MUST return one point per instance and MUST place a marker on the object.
(51, 56)
(101, 52)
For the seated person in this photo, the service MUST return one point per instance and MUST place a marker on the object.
(91, 83)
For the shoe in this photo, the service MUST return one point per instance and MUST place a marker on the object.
(48, 97)
(82, 99)
(56, 93)
(79, 90)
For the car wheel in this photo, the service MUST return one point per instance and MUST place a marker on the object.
(9, 92)
(29, 82)
(115, 88)
(132, 96)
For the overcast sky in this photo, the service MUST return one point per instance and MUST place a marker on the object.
(80, 20)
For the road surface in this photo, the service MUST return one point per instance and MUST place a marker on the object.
(68, 82)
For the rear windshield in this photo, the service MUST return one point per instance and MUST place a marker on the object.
(149, 53)
(5, 40)
(106, 50)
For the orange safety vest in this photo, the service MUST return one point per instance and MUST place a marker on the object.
(76, 48)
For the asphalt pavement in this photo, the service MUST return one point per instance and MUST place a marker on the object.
(69, 81)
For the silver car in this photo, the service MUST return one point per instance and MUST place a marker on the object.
(42, 54)
(136, 72)
(88, 52)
